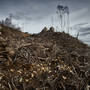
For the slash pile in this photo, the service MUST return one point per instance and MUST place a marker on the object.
(45, 61)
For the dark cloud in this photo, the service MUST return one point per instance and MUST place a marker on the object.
(26, 16)
(85, 34)
(21, 16)
(81, 24)
(84, 29)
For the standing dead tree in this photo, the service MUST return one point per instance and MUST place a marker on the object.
(63, 14)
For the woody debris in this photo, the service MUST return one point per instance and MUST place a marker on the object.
(48, 60)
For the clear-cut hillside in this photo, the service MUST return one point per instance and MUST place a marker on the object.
(45, 61)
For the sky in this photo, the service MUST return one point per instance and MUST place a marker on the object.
(33, 15)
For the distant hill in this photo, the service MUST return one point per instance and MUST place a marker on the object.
(48, 60)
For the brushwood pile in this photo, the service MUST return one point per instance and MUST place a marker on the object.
(48, 60)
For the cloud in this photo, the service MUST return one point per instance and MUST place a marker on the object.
(26, 17)
(85, 34)
(85, 29)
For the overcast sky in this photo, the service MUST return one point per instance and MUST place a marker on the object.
(33, 15)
